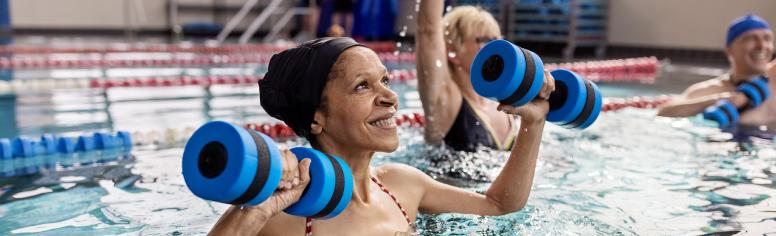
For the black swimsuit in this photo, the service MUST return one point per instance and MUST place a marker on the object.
(469, 132)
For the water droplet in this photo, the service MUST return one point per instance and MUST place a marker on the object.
(447, 32)
(477, 123)
(410, 17)
(451, 54)
(448, 9)
(398, 44)
(438, 63)
(396, 53)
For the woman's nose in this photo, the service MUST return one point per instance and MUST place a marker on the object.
(388, 98)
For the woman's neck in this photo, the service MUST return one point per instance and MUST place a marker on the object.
(359, 164)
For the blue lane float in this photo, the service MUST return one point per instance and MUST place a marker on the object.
(243, 167)
(512, 75)
(24, 156)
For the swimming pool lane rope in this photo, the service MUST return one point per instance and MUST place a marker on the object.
(24, 156)
(281, 132)
(643, 70)
(171, 48)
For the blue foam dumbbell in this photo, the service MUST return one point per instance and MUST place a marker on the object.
(756, 90)
(512, 75)
(723, 112)
(226, 163)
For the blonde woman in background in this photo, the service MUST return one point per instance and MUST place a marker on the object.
(445, 48)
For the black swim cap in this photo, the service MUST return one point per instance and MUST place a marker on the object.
(292, 87)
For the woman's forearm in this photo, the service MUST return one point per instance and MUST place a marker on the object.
(438, 94)
(236, 221)
(694, 106)
(511, 188)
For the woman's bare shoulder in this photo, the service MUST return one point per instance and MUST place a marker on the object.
(402, 175)
(715, 85)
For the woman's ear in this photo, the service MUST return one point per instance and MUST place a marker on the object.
(318, 120)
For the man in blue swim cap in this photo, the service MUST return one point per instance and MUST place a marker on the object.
(749, 48)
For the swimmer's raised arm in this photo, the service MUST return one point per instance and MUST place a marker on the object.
(438, 93)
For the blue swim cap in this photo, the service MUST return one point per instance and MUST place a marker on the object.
(745, 24)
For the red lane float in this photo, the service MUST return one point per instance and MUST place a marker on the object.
(643, 70)
(641, 102)
(236, 59)
(250, 48)
(282, 132)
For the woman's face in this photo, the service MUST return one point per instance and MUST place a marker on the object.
(469, 48)
(358, 104)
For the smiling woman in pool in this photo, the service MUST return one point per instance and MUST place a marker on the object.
(335, 93)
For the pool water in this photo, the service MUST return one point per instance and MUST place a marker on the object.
(629, 174)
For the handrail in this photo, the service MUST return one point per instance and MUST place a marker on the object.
(263, 16)
(236, 20)
(284, 21)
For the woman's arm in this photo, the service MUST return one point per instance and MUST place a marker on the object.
(251, 220)
(440, 96)
(684, 107)
(699, 96)
(509, 191)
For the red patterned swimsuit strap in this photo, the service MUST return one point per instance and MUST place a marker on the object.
(309, 221)
(403, 212)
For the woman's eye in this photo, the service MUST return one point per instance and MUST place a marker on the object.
(386, 81)
(361, 86)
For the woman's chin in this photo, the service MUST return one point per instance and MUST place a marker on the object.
(389, 146)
